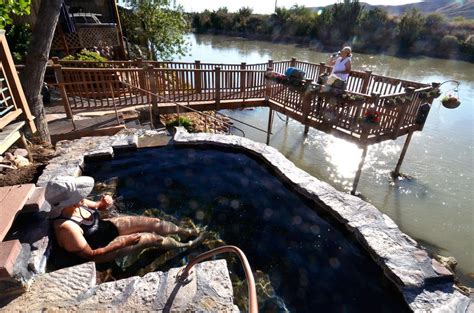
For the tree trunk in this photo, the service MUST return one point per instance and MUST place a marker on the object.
(32, 77)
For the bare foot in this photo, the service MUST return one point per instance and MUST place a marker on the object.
(202, 236)
(192, 232)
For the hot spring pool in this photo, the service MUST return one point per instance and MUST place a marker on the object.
(312, 262)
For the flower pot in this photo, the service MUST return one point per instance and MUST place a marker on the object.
(450, 103)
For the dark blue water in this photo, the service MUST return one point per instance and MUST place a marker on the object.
(312, 265)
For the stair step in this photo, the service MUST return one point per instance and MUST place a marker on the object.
(9, 251)
(35, 201)
(12, 200)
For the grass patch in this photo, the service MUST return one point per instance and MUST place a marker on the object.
(181, 121)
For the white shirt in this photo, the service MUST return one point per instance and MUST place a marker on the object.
(340, 65)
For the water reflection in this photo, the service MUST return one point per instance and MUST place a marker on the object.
(434, 206)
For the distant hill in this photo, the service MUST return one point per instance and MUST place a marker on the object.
(450, 8)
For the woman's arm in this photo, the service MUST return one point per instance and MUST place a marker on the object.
(76, 243)
(102, 204)
(100, 254)
(332, 61)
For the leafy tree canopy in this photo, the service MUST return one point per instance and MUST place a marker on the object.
(10, 8)
(160, 25)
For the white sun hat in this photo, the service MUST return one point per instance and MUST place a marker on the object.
(64, 191)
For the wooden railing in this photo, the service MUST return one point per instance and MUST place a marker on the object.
(93, 85)
(87, 36)
(13, 105)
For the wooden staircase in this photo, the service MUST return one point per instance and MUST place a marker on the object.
(13, 201)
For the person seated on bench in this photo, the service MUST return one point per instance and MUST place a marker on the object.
(80, 230)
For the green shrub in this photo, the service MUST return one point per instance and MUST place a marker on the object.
(18, 37)
(448, 45)
(86, 55)
(184, 121)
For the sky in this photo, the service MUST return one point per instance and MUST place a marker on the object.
(268, 6)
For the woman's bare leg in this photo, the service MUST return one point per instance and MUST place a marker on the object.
(147, 240)
(127, 225)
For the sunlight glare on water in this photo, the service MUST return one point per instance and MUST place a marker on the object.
(344, 156)
(434, 203)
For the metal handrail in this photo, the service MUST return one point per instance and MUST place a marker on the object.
(177, 106)
(183, 275)
(229, 125)
(196, 111)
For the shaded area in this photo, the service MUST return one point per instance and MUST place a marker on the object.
(311, 264)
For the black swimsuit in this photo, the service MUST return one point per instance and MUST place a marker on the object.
(98, 233)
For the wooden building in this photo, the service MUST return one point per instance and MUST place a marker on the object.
(97, 26)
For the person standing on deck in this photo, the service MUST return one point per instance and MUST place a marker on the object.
(342, 64)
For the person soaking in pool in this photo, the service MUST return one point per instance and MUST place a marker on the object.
(80, 230)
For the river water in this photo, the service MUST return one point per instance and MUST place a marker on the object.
(435, 205)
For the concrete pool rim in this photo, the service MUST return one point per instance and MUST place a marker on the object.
(425, 284)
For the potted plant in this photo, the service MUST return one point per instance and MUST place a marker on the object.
(371, 117)
(450, 101)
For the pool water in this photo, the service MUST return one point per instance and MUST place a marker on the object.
(312, 262)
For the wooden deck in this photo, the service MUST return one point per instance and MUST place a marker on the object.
(204, 87)
(373, 108)
(106, 125)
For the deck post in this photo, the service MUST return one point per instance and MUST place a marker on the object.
(154, 114)
(365, 85)
(322, 68)
(141, 75)
(396, 172)
(306, 104)
(60, 80)
(268, 89)
(270, 123)
(270, 64)
(359, 171)
(404, 107)
(293, 62)
(217, 71)
(243, 78)
(197, 76)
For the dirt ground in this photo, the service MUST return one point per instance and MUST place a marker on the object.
(41, 153)
(213, 124)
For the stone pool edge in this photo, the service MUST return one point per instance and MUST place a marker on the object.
(425, 284)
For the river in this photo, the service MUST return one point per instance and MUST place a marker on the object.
(435, 205)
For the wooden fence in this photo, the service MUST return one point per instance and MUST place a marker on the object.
(102, 85)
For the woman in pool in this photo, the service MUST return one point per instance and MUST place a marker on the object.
(80, 230)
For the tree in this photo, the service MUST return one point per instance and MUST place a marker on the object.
(162, 26)
(32, 76)
(373, 29)
(10, 8)
(409, 28)
(345, 18)
(241, 19)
